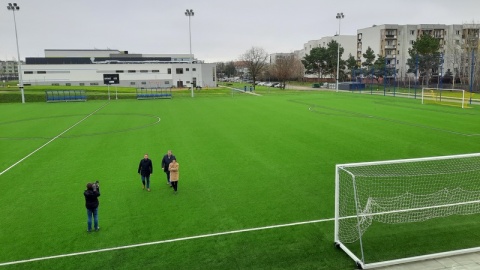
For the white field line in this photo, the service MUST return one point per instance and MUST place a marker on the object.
(56, 137)
(164, 241)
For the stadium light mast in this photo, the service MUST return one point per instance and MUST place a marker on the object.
(340, 16)
(190, 14)
(14, 7)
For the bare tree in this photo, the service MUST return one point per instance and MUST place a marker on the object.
(287, 67)
(255, 60)
(453, 58)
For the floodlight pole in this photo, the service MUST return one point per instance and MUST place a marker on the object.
(189, 13)
(14, 7)
(340, 16)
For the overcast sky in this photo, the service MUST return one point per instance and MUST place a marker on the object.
(222, 30)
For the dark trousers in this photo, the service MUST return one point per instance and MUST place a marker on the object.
(168, 177)
(174, 185)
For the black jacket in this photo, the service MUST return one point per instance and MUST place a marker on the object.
(166, 161)
(91, 198)
(145, 167)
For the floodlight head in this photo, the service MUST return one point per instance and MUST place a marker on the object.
(189, 12)
(13, 6)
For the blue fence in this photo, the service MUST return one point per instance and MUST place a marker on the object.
(153, 93)
(65, 95)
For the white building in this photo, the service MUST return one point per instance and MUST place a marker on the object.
(87, 67)
(393, 41)
(347, 42)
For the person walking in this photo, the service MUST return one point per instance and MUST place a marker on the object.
(145, 168)
(166, 160)
(173, 168)
(91, 203)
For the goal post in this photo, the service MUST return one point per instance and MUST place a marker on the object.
(448, 97)
(381, 200)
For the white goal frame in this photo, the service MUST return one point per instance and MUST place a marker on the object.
(440, 90)
(360, 260)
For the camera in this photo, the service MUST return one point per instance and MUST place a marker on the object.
(94, 185)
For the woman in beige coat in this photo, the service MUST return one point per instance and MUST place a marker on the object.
(173, 168)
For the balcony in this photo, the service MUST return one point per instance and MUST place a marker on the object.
(390, 36)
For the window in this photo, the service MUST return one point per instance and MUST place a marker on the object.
(457, 32)
(155, 71)
(55, 84)
(194, 69)
(118, 71)
(398, 61)
(398, 52)
(412, 32)
(179, 71)
(68, 84)
(412, 41)
(143, 71)
(167, 82)
(28, 72)
(93, 83)
(187, 69)
(132, 83)
(132, 71)
(81, 84)
(169, 71)
(41, 72)
(144, 83)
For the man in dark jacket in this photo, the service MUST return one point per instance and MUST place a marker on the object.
(145, 168)
(167, 159)
(91, 203)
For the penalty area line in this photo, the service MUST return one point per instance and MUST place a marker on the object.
(53, 139)
(164, 241)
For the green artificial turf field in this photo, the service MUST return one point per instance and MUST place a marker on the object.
(246, 162)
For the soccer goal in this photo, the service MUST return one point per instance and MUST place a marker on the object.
(448, 97)
(398, 211)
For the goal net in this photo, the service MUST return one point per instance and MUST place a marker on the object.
(448, 97)
(389, 194)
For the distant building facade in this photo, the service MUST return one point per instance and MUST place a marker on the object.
(347, 42)
(393, 42)
(87, 67)
(9, 70)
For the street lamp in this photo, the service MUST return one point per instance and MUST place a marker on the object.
(14, 7)
(340, 16)
(190, 14)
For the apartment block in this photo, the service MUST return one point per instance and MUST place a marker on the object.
(393, 42)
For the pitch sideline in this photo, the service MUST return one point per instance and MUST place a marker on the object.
(165, 241)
